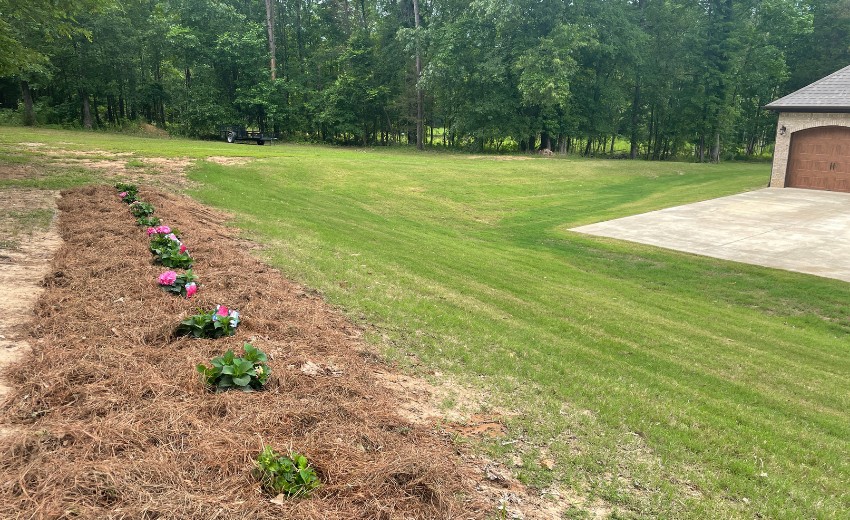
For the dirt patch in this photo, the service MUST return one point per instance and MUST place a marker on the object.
(160, 172)
(155, 131)
(19, 171)
(111, 417)
(479, 425)
(59, 152)
(229, 161)
(418, 402)
(25, 251)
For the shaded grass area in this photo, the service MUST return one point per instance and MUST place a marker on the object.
(669, 385)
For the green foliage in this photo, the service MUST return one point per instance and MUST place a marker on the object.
(672, 78)
(171, 256)
(141, 209)
(148, 221)
(247, 373)
(209, 325)
(161, 242)
(169, 251)
(131, 192)
(126, 187)
(179, 285)
(26, 26)
(291, 475)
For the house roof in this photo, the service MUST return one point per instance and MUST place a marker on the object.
(830, 94)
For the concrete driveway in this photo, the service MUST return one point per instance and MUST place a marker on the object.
(806, 231)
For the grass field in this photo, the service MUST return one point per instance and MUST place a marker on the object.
(661, 384)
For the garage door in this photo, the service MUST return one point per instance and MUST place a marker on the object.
(820, 159)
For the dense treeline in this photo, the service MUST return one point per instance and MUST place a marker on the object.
(663, 78)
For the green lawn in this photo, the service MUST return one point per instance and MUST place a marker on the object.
(668, 385)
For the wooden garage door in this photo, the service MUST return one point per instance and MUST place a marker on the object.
(820, 159)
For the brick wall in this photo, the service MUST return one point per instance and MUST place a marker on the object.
(794, 122)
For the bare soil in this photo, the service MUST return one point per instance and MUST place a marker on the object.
(229, 161)
(161, 172)
(25, 256)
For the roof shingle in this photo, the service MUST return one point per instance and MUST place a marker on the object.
(830, 94)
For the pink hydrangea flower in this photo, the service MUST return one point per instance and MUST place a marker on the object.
(163, 229)
(151, 231)
(122, 194)
(167, 278)
(222, 310)
(191, 289)
(183, 248)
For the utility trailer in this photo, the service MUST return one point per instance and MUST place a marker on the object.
(238, 133)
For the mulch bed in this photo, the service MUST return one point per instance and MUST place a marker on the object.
(110, 419)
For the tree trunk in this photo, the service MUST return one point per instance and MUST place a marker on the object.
(97, 114)
(545, 141)
(715, 148)
(633, 131)
(29, 111)
(420, 123)
(86, 111)
(110, 112)
(270, 27)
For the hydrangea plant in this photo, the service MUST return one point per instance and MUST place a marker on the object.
(182, 284)
(247, 373)
(148, 221)
(216, 324)
(141, 209)
(290, 475)
(167, 248)
(127, 192)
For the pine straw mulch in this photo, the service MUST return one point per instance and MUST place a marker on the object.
(110, 420)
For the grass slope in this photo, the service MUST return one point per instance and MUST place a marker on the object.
(667, 384)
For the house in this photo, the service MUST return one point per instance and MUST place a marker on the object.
(813, 136)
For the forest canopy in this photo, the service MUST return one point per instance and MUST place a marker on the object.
(663, 78)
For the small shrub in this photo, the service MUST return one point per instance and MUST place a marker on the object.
(168, 250)
(141, 209)
(129, 188)
(247, 373)
(177, 257)
(128, 192)
(181, 284)
(292, 475)
(216, 324)
(148, 221)
(161, 242)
